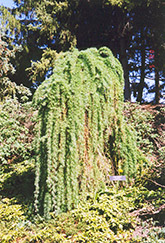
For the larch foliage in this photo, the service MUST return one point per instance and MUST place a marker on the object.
(82, 136)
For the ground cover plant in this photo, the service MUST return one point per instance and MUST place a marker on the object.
(103, 218)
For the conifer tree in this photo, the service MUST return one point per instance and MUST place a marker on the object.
(59, 25)
(8, 88)
(82, 136)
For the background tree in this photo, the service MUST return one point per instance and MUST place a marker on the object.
(8, 88)
(47, 27)
(147, 21)
(15, 24)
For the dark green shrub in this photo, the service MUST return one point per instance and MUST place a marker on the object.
(16, 131)
(142, 120)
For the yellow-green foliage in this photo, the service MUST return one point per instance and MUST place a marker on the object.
(82, 136)
(103, 218)
(10, 216)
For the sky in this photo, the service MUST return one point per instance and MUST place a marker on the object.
(6, 3)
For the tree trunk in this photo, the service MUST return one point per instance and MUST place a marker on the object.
(157, 84)
(124, 62)
(142, 76)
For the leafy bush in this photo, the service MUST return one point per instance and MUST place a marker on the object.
(10, 217)
(141, 120)
(148, 121)
(16, 131)
(17, 181)
(152, 233)
(155, 235)
(146, 197)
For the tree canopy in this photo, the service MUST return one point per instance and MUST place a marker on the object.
(129, 28)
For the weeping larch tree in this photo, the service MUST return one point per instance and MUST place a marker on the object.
(82, 136)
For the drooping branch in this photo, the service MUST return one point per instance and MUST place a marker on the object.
(82, 133)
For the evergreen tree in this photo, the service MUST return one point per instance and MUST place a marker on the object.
(60, 25)
(147, 49)
(8, 88)
(82, 136)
